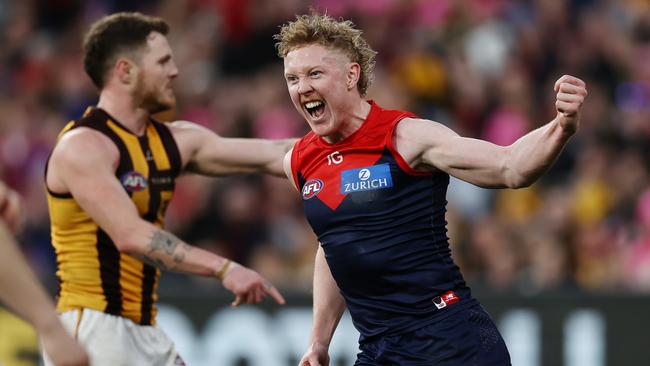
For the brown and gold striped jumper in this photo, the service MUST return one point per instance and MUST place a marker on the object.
(92, 273)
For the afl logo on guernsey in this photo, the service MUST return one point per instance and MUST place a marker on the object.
(311, 188)
(134, 181)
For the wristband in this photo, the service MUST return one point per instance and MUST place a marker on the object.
(221, 273)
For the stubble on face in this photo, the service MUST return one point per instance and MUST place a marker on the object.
(153, 88)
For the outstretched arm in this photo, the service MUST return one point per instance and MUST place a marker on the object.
(205, 152)
(428, 145)
(329, 306)
(83, 163)
(22, 293)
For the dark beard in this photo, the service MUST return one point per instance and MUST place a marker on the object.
(154, 105)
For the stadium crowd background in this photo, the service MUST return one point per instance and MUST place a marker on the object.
(484, 67)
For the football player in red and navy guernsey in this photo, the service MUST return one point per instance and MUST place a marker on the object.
(373, 182)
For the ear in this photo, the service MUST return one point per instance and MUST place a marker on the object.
(125, 70)
(353, 75)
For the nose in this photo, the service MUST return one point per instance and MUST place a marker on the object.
(173, 72)
(304, 86)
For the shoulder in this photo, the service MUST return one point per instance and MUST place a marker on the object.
(186, 131)
(306, 141)
(413, 137)
(85, 144)
(418, 128)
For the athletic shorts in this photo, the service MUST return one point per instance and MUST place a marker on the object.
(466, 338)
(116, 341)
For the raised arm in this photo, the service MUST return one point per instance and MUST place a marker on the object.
(22, 293)
(205, 152)
(329, 306)
(83, 164)
(428, 145)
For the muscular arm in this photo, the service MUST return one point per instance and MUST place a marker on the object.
(22, 293)
(428, 145)
(83, 163)
(207, 153)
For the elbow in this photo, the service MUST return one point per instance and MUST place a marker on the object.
(522, 184)
(516, 180)
(520, 181)
(515, 176)
(126, 241)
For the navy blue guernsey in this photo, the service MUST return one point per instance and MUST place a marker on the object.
(382, 227)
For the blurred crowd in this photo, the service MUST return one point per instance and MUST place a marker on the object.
(485, 68)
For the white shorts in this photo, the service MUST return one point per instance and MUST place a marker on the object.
(115, 341)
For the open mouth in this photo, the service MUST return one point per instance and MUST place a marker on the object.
(315, 108)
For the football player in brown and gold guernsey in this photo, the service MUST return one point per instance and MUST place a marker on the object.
(109, 180)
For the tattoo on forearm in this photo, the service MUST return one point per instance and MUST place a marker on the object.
(163, 241)
(166, 245)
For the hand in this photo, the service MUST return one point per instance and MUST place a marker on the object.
(316, 355)
(62, 349)
(248, 286)
(571, 93)
(11, 211)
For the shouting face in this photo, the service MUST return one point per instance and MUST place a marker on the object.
(322, 83)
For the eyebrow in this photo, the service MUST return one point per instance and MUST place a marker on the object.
(165, 58)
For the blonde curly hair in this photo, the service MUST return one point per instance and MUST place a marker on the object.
(320, 29)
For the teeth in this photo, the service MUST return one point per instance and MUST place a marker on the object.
(313, 104)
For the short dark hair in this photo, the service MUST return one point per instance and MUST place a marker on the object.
(114, 35)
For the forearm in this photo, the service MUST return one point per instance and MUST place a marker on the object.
(164, 250)
(228, 156)
(20, 290)
(267, 156)
(533, 154)
(329, 305)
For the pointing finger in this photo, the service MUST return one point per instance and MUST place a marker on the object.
(237, 302)
(275, 294)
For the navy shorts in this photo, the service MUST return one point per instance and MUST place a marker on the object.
(466, 338)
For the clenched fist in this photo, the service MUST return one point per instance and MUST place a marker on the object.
(571, 93)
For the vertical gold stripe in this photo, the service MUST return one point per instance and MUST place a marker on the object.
(157, 149)
(165, 197)
(74, 240)
(131, 291)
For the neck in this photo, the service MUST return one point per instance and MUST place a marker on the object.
(124, 110)
(352, 121)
